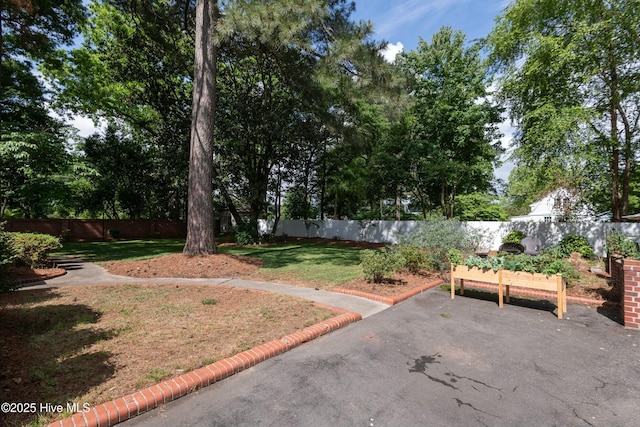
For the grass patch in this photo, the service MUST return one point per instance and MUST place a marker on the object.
(321, 264)
(121, 250)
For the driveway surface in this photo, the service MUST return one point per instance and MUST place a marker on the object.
(433, 361)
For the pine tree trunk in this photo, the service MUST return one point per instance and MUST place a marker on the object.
(200, 232)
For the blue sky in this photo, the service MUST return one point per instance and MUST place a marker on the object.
(402, 23)
(405, 21)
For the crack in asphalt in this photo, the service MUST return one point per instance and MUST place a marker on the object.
(461, 404)
(458, 377)
(575, 414)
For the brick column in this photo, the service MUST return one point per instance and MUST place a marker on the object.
(631, 294)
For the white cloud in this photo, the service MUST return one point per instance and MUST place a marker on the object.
(389, 53)
(84, 125)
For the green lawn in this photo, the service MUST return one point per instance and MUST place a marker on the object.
(121, 250)
(322, 264)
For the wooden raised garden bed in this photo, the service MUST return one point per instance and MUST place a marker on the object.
(506, 278)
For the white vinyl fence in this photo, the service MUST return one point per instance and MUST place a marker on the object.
(550, 233)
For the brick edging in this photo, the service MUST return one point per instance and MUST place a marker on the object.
(389, 300)
(121, 409)
(41, 278)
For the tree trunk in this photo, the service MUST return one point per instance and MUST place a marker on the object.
(278, 202)
(200, 233)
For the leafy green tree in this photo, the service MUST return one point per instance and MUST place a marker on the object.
(479, 207)
(32, 145)
(567, 73)
(33, 155)
(316, 31)
(453, 131)
(133, 68)
(118, 188)
(33, 29)
(296, 204)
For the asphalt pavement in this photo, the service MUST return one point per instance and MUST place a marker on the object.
(433, 361)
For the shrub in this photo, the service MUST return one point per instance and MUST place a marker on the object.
(378, 265)
(31, 248)
(621, 244)
(514, 236)
(574, 243)
(414, 258)
(6, 256)
(438, 237)
(247, 232)
(114, 233)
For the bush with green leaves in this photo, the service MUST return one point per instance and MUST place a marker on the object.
(620, 244)
(414, 258)
(438, 237)
(247, 233)
(514, 236)
(32, 248)
(378, 265)
(573, 243)
(6, 256)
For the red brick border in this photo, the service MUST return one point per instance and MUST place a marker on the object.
(121, 409)
(389, 300)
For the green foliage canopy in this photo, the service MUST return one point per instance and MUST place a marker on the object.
(568, 71)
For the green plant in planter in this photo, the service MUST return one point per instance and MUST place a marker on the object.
(545, 264)
(514, 236)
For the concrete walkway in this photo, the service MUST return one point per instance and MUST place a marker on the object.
(80, 272)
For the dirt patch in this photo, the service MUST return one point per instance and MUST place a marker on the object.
(178, 265)
(400, 283)
(91, 344)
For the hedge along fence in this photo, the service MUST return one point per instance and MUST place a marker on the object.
(550, 233)
(98, 229)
